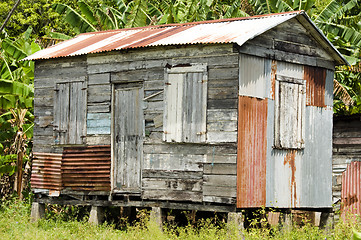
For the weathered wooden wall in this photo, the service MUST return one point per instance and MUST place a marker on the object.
(171, 171)
(346, 149)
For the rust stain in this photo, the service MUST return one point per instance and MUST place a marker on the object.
(103, 41)
(77, 168)
(251, 152)
(86, 168)
(46, 171)
(273, 78)
(351, 189)
(290, 160)
(315, 86)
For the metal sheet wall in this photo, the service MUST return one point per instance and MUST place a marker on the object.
(86, 168)
(351, 189)
(300, 178)
(315, 91)
(46, 171)
(254, 83)
(251, 158)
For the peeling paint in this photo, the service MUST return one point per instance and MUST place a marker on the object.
(290, 160)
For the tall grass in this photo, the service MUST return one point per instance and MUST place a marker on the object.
(15, 224)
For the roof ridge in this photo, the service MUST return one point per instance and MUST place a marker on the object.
(195, 23)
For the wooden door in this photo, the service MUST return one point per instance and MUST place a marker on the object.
(127, 138)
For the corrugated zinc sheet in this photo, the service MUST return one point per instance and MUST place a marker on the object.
(219, 31)
(46, 171)
(86, 168)
(316, 164)
(254, 83)
(251, 152)
(351, 189)
(300, 178)
(315, 90)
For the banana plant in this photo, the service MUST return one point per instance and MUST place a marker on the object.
(16, 103)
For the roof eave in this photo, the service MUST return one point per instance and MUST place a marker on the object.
(321, 38)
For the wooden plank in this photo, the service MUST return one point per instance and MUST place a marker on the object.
(138, 75)
(217, 149)
(214, 115)
(94, 79)
(226, 192)
(222, 103)
(223, 73)
(99, 107)
(223, 92)
(260, 51)
(98, 123)
(172, 195)
(149, 184)
(220, 180)
(228, 126)
(221, 137)
(220, 169)
(99, 93)
(171, 174)
(224, 200)
(176, 162)
(221, 159)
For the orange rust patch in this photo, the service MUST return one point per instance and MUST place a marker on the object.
(315, 86)
(290, 160)
(273, 78)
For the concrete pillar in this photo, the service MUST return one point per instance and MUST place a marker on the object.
(236, 219)
(156, 216)
(37, 211)
(327, 221)
(96, 215)
(286, 221)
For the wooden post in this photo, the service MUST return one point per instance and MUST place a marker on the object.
(37, 211)
(96, 215)
(236, 219)
(156, 216)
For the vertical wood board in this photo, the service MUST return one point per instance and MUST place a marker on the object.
(128, 137)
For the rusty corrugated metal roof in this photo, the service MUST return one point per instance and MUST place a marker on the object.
(236, 30)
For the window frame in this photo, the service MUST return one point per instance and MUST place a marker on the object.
(187, 76)
(284, 132)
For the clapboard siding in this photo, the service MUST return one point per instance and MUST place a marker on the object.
(291, 43)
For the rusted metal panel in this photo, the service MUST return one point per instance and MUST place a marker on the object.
(301, 178)
(351, 189)
(86, 168)
(251, 152)
(218, 31)
(237, 30)
(46, 171)
(254, 81)
(315, 86)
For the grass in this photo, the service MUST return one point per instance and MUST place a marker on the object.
(15, 224)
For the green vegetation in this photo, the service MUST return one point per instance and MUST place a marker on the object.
(16, 224)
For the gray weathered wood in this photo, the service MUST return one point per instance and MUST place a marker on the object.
(128, 139)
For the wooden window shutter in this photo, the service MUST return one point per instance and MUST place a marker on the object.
(185, 104)
(70, 113)
(290, 102)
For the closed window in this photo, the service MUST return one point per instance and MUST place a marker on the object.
(70, 113)
(185, 101)
(289, 112)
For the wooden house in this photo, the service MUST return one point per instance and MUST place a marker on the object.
(217, 115)
(346, 180)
